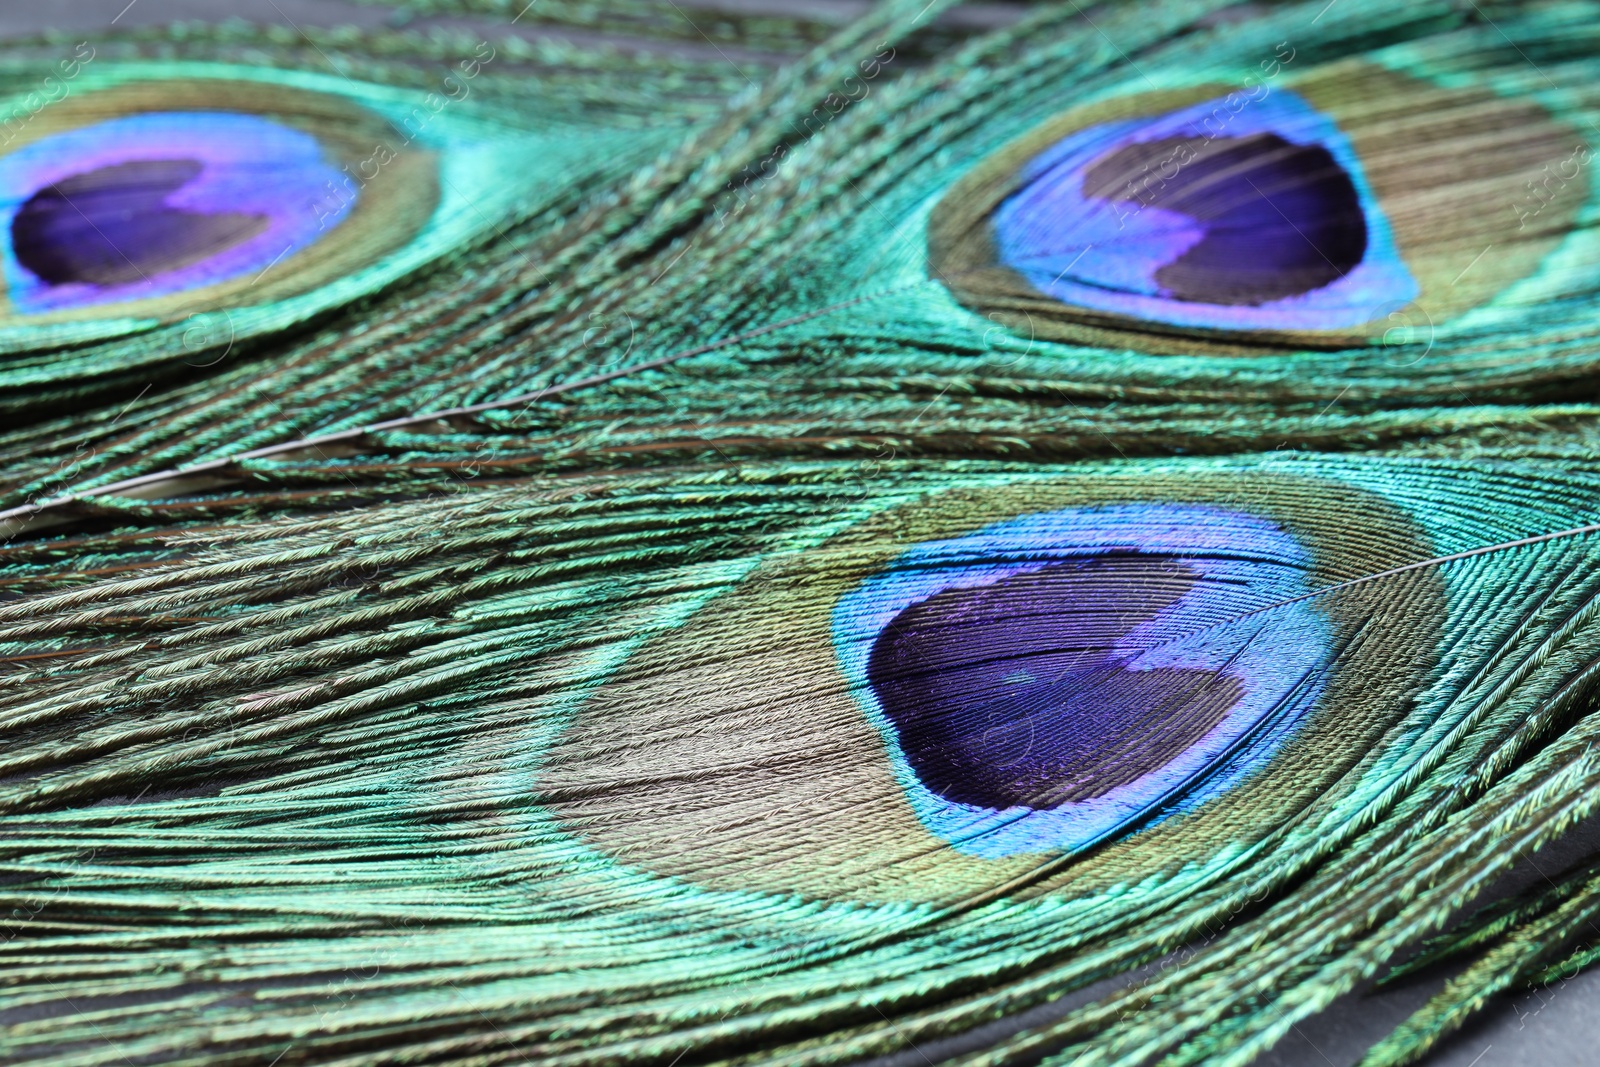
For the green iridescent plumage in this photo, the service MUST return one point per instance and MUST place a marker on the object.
(487, 652)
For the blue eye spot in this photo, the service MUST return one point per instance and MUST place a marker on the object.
(162, 202)
(1228, 215)
(1256, 218)
(1279, 219)
(1046, 681)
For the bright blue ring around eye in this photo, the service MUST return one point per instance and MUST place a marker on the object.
(1242, 563)
(1104, 254)
(277, 179)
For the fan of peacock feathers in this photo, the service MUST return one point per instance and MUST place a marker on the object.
(1055, 534)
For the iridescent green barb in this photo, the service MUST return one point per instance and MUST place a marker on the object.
(1060, 535)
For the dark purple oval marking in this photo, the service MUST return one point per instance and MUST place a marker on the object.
(1014, 694)
(112, 225)
(1280, 218)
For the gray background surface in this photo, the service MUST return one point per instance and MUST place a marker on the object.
(1551, 1027)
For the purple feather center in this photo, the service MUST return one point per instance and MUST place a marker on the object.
(1015, 693)
(112, 225)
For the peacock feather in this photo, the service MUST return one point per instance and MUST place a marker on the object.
(1064, 534)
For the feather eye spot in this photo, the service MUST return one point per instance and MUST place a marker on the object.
(1264, 224)
(1205, 220)
(158, 203)
(1278, 219)
(112, 226)
(929, 701)
(981, 730)
(130, 207)
(1047, 681)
